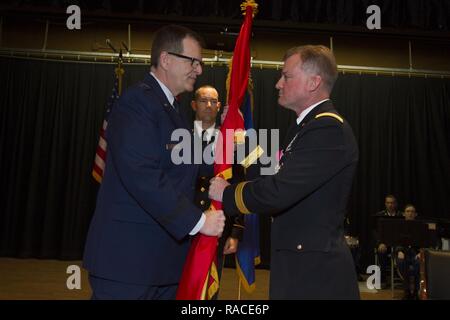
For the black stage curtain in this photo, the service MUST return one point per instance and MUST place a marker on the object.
(410, 14)
(402, 126)
(51, 112)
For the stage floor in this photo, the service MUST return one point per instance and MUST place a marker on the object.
(33, 279)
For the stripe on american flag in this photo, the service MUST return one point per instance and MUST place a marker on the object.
(100, 154)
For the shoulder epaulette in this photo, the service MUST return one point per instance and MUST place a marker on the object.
(329, 114)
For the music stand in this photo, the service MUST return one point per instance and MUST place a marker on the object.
(415, 233)
(396, 232)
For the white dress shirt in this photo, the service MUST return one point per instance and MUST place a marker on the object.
(308, 110)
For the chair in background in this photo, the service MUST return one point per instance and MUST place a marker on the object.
(434, 274)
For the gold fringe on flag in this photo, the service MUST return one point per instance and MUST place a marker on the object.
(250, 3)
(119, 73)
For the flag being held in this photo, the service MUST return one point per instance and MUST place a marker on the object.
(199, 280)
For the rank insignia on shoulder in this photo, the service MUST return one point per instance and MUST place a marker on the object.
(330, 114)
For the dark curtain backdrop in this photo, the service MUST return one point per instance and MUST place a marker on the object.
(415, 14)
(51, 112)
(403, 130)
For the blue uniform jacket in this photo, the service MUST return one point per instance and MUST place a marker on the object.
(145, 211)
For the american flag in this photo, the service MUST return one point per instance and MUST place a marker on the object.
(100, 154)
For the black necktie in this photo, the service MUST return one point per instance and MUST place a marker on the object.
(176, 105)
(204, 138)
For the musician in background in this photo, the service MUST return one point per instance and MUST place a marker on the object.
(407, 261)
(382, 251)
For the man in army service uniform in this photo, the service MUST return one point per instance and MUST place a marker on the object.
(307, 196)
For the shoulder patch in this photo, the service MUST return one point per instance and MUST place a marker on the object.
(329, 114)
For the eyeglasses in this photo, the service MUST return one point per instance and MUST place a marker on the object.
(195, 63)
(213, 102)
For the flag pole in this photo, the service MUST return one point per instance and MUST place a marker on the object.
(239, 289)
(119, 72)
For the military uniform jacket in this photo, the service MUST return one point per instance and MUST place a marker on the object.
(307, 199)
(139, 233)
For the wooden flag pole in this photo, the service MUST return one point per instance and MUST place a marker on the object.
(239, 289)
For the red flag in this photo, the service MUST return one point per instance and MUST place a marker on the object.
(199, 280)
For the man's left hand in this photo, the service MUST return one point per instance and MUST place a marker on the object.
(231, 245)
